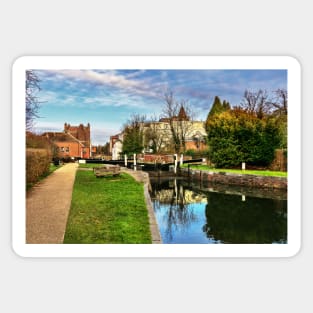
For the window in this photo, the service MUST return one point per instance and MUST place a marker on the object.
(67, 149)
(62, 149)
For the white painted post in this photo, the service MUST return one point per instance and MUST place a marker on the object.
(243, 198)
(135, 163)
(181, 159)
(175, 163)
(243, 166)
(125, 159)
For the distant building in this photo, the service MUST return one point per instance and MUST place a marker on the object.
(160, 131)
(116, 146)
(74, 141)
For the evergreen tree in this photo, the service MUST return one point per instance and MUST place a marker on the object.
(133, 140)
(133, 135)
(226, 106)
(217, 108)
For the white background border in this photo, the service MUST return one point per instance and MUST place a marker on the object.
(159, 62)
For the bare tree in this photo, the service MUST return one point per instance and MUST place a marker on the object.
(256, 103)
(32, 102)
(280, 113)
(185, 119)
(280, 102)
(155, 136)
(170, 112)
(179, 116)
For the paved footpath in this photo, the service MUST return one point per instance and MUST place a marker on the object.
(48, 204)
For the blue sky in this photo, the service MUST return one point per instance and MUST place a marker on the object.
(107, 98)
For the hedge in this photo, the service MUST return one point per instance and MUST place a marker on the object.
(236, 136)
(37, 164)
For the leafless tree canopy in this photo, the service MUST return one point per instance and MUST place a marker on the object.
(136, 121)
(262, 103)
(256, 102)
(280, 102)
(154, 136)
(32, 102)
(179, 115)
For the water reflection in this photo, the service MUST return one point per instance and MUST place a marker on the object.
(189, 213)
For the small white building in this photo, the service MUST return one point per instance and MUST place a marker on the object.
(116, 146)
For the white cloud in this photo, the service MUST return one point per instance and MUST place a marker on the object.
(43, 126)
(105, 78)
(73, 81)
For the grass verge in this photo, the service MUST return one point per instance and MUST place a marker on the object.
(107, 210)
(247, 172)
(90, 165)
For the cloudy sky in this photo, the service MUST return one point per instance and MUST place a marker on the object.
(107, 98)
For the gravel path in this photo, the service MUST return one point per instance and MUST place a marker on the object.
(48, 204)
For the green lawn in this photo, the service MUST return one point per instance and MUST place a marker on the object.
(107, 210)
(90, 165)
(53, 168)
(248, 172)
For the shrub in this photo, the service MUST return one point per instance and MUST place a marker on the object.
(236, 136)
(37, 141)
(191, 152)
(37, 164)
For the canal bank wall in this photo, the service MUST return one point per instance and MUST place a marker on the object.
(236, 179)
(143, 177)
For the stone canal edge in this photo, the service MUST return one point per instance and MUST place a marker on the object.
(236, 179)
(143, 177)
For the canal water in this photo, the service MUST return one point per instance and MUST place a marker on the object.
(189, 213)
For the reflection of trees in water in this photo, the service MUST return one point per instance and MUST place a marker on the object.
(229, 218)
(256, 220)
(179, 211)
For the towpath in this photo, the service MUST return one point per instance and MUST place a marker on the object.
(47, 206)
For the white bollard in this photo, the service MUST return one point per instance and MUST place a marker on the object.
(125, 159)
(135, 163)
(181, 159)
(243, 166)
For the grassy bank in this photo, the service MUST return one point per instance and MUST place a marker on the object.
(107, 210)
(247, 172)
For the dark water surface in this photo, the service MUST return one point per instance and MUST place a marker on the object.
(190, 213)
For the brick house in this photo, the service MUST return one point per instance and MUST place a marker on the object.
(74, 141)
